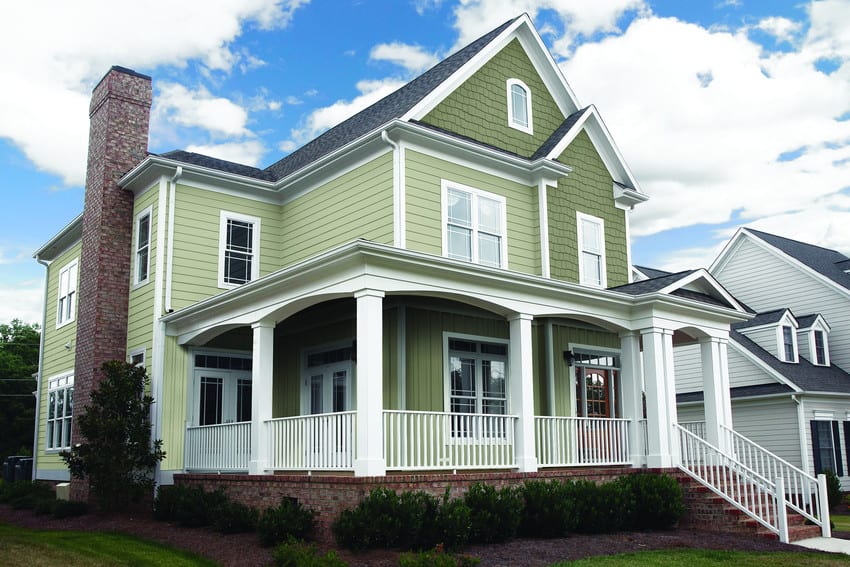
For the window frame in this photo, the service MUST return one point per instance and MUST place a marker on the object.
(813, 342)
(230, 383)
(834, 440)
(512, 120)
(226, 216)
(476, 195)
(784, 332)
(73, 278)
(138, 281)
(136, 353)
(62, 384)
(603, 260)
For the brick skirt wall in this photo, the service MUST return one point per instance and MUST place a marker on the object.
(328, 495)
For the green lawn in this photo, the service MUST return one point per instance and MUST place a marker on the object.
(842, 522)
(20, 547)
(711, 558)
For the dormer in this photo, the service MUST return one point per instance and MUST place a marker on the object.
(776, 332)
(813, 338)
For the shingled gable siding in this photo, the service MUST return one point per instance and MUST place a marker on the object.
(197, 218)
(588, 189)
(357, 204)
(424, 175)
(57, 358)
(140, 310)
(479, 107)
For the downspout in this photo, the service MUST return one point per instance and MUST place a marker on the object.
(398, 193)
(169, 261)
(801, 420)
(38, 381)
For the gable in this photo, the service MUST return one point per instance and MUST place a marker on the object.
(478, 108)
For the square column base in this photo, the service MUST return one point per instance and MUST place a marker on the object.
(258, 467)
(527, 464)
(370, 467)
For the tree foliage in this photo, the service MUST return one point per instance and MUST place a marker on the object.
(19, 344)
(118, 456)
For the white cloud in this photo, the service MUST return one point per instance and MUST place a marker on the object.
(175, 104)
(423, 6)
(57, 51)
(249, 152)
(412, 57)
(782, 29)
(326, 117)
(24, 300)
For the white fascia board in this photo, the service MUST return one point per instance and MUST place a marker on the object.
(61, 241)
(818, 324)
(727, 251)
(707, 279)
(154, 167)
(521, 29)
(592, 123)
(743, 351)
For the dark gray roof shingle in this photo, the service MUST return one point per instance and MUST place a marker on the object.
(652, 272)
(559, 133)
(651, 285)
(765, 318)
(218, 164)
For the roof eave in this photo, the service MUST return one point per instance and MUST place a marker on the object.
(61, 241)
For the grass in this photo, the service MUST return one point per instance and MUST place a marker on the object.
(21, 547)
(711, 558)
(842, 522)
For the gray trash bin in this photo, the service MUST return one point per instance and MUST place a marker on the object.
(23, 469)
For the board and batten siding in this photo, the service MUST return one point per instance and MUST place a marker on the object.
(58, 359)
(423, 194)
(565, 337)
(589, 190)
(197, 218)
(357, 204)
(140, 305)
(176, 396)
(764, 282)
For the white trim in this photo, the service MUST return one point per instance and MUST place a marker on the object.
(813, 351)
(603, 267)
(136, 281)
(787, 322)
(73, 268)
(512, 121)
(142, 350)
(823, 415)
(543, 213)
(709, 279)
(169, 258)
(478, 339)
(52, 474)
(401, 348)
(475, 194)
(222, 243)
(627, 217)
(58, 383)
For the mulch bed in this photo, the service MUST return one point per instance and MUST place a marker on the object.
(244, 549)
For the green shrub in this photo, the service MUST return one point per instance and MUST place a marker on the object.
(197, 507)
(495, 514)
(454, 520)
(598, 507)
(167, 501)
(69, 508)
(418, 525)
(235, 517)
(27, 494)
(375, 522)
(436, 558)
(299, 554)
(652, 501)
(550, 509)
(833, 488)
(287, 520)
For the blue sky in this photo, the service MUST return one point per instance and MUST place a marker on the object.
(729, 112)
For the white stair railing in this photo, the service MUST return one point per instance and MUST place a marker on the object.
(746, 489)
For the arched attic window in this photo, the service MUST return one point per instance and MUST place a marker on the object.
(519, 106)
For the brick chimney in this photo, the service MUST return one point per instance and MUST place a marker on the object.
(118, 140)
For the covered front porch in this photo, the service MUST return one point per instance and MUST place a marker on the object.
(381, 361)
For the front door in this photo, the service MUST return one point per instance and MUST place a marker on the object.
(596, 392)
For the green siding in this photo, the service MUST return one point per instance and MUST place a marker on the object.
(196, 240)
(562, 338)
(588, 189)
(425, 386)
(423, 185)
(175, 392)
(57, 359)
(479, 107)
(141, 301)
(358, 204)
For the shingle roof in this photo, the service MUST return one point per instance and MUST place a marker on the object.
(219, 164)
(651, 285)
(559, 133)
(826, 262)
(652, 272)
(739, 392)
(807, 321)
(765, 318)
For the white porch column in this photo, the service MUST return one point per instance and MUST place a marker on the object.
(522, 390)
(261, 395)
(715, 385)
(369, 457)
(660, 385)
(631, 382)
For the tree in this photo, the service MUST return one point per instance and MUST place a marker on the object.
(117, 455)
(19, 344)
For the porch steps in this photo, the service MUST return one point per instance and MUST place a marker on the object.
(707, 511)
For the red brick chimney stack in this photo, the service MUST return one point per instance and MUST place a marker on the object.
(118, 140)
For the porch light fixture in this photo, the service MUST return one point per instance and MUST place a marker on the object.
(569, 358)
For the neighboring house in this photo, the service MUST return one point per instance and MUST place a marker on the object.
(790, 389)
(439, 283)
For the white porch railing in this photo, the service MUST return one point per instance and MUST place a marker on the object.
(802, 490)
(421, 440)
(225, 447)
(574, 441)
(312, 442)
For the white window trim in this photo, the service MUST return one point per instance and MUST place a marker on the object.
(136, 281)
(73, 316)
(780, 340)
(222, 243)
(476, 193)
(136, 352)
(582, 278)
(813, 347)
(527, 129)
(305, 370)
(447, 380)
(57, 383)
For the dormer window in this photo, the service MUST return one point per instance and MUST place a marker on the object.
(789, 344)
(519, 106)
(820, 357)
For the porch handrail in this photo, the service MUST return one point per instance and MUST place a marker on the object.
(579, 441)
(802, 490)
(744, 488)
(695, 427)
(422, 440)
(312, 442)
(224, 447)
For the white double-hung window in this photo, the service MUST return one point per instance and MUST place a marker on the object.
(474, 225)
(60, 411)
(591, 249)
(239, 249)
(66, 307)
(142, 246)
